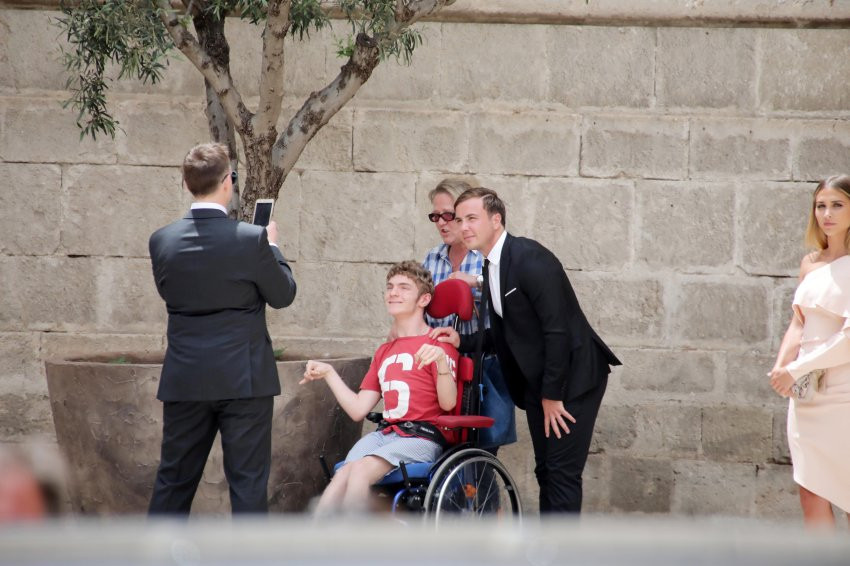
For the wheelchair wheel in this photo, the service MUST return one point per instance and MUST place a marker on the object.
(472, 484)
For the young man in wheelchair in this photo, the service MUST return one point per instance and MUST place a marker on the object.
(416, 377)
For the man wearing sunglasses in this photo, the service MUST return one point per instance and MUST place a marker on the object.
(216, 276)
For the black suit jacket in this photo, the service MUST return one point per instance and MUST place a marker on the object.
(543, 339)
(216, 276)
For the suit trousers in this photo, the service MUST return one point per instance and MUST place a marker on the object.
(188, 431)
(559, 462)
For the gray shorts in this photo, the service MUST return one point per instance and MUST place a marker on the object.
(395, 448)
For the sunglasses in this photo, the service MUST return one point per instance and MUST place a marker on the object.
(233, 177)
(447, 216)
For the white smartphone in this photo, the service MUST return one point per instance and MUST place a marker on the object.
(263, 209)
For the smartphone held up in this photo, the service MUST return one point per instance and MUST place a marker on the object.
(263, 209)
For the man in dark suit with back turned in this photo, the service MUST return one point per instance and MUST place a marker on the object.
(555, 364)
(216, 276)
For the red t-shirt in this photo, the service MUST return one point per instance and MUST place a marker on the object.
(409, 394)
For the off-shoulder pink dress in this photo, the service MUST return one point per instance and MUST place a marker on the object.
(819, 430)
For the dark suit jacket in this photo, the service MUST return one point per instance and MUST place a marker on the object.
(543, 339)
(216, 276)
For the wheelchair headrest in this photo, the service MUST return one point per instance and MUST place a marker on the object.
(452, 296)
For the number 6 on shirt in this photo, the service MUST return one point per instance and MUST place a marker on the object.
(400, 387)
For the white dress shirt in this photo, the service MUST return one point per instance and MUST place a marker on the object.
(213, 205)
(495, 257)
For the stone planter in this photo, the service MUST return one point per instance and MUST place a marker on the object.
(109, 427)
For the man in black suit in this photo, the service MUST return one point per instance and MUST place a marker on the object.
(216, 276)
(556, 365)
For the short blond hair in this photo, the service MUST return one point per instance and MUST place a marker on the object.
(418, 274)
(452, 186)
(815, 238)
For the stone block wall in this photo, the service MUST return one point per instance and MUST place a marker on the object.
(666, 160)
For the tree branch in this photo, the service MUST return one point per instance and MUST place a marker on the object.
(271, 77)
(323, 105)
(219, 79)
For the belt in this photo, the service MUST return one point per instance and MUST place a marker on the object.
(421, 429)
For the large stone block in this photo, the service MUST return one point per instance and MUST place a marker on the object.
(804, 70)
(641, 484)
(20, 364)
(706, 67)
(325, 308)
(633, 146)
(39, 130)
(30, 208)
(783, 296)
(535, 143)
(331, 201)
(491, 61)
(746, 378)
(25, 416)
(330, 149)
(822, 150)
(47, 293)
(625, 310)
(583, 228)
(668, 371)
(615, 430)
(737, 434)
(720, 312)
(670, 430)
(417, 139)
(30, 51)
(127, 297)
(700, 216)
(711, 488)
(596, 484)
(781, 454)
(771, 223)
(113, 210)
(287, 214)
(395, 80)
(740, 149)
(159, 133)
(600, 65)
(777, 496)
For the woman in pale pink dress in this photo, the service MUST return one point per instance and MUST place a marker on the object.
(818, 338)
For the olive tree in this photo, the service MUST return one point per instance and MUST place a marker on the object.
(136, 37)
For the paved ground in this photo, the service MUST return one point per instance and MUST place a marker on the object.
(636, 540)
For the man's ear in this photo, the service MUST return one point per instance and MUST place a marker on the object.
(424, 300)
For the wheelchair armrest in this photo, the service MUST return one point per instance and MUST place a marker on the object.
(375, 417)
(464, 421)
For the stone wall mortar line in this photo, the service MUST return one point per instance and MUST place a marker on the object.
(669, 14)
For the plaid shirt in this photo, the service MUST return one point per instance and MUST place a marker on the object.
(438, 263)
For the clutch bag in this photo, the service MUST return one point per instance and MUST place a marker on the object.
(804, 388)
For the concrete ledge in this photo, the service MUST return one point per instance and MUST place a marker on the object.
(726, 13)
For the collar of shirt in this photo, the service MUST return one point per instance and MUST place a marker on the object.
(212, 205)
(496, 253)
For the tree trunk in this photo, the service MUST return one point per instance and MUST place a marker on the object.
(212, 39)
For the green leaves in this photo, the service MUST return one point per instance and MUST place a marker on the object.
(377, 19)
(126, 33)
(304, 14)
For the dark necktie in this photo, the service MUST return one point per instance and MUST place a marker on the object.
(485, 294)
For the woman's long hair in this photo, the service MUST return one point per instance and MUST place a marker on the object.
(815, 238)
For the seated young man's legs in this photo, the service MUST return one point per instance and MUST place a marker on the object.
(369, 460)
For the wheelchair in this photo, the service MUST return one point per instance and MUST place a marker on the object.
(466, 481)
